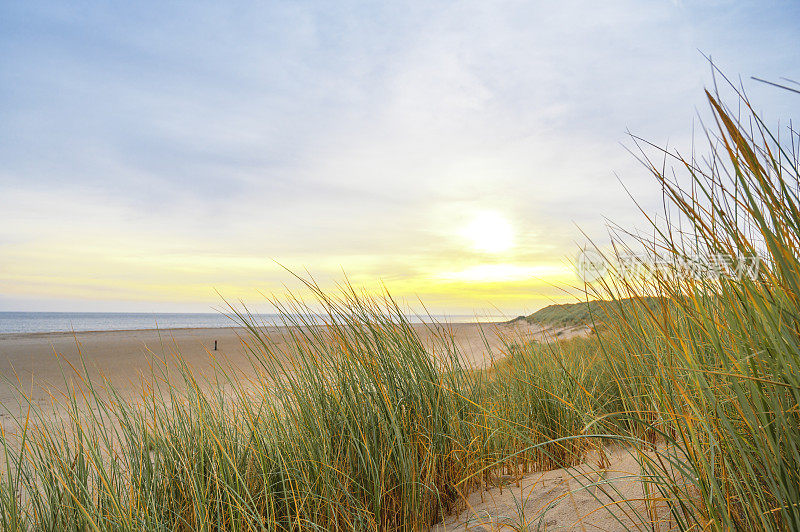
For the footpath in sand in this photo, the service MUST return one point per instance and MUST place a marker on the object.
(582, 498)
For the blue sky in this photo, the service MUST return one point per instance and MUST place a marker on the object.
(152, 153)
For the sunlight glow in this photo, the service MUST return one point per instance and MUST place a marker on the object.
(504, 273)
(490, 232)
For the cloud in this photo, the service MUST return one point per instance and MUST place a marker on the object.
(356, 136)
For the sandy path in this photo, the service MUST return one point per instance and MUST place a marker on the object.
(586, 498)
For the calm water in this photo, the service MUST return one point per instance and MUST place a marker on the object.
(31, 322)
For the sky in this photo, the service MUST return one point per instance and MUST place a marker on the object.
(158, 156)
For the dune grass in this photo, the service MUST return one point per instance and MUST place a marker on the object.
(585, 313)
(358, 427)
(720, 357)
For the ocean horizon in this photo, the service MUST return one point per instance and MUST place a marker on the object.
(45, 322)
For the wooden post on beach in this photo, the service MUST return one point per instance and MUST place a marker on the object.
(215, 345)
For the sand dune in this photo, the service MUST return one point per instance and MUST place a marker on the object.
(588, 498)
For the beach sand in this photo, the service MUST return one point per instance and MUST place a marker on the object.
(38, 364)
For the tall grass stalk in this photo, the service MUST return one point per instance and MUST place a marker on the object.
(714, 373)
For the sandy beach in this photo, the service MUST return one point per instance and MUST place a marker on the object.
(39, 364)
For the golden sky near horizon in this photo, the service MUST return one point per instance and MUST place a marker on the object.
(482, 260)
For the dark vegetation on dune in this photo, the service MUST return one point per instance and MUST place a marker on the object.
(362, 430)
(586, 313)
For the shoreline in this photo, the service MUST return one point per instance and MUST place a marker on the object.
(45, 334)
(36, 334)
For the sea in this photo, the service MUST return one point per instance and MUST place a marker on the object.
(43, 322)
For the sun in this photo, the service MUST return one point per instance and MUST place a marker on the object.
(489, 232)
